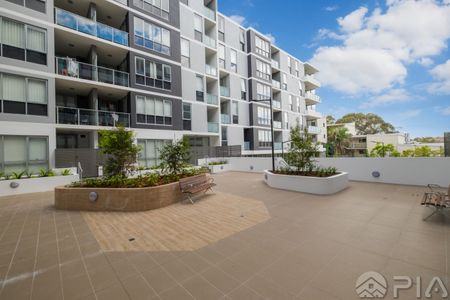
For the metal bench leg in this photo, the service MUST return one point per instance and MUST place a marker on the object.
(436, 210)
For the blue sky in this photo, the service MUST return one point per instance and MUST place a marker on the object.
(389, 57)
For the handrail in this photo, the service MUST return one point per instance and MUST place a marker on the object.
(91, 117)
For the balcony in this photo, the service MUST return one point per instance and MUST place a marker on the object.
(209, 13)
(209, 41)
(210, 70)
(312, 114)
(87, 26)
(90, 117)
(212, 99)
(314, 130)
(357, 146)
(71, 68)
(277, 146)
(276, 104)
(246, 146)
(225, 119)
(277, 125)
(311, 83)
(275, 64)
(276, 84)
(124, 2)
(224, 91)
(311, 98)
(213, 127)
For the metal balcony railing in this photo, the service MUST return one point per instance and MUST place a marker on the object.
(277, 125)
(213, 127)
(212, 99)
(277, 145)
(224, 91)
(246, 146)
(311, 96)
(276, 84)
(209, 13)
(225, 119)
(276, 104)
(87, 26)
(275, 64)
(314, 130)
(72, 68)
(91, 117)
(210, 70)
(209, 41)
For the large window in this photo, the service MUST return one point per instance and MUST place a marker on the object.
(263, 115)
(23, 42)
(221, 28)
(38, 5)
(263, 70)
(159, 8)
(23, 95)
(199, 88)
(23, 153)
(235, 112)
(149, 153)
(187, 116)
(242, 39)
(233, 60)
(185, 53)
(221, 50)
(151, 36)
(262, 47)
(243, 89)
(284, 81)
(198, 27)
(153, 74)
(265, 138)
(263, 92)
(153, 111)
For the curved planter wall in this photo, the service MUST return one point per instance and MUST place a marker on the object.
(117, 199)
(34, 185)
(307, 184)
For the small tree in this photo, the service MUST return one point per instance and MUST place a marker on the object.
(383, 150)
(175, 156)
(118, 145)
(302, 150)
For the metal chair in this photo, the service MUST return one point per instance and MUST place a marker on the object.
(436, 199)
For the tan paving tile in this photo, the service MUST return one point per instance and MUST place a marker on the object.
(244, 293)
(175, 293)
(200, 288)
(137, 288)
(221, 280)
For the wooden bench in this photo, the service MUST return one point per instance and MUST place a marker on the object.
(191, 186)
(436, 199)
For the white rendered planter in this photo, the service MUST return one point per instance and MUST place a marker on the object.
(34, 185)
(219, 168)
(307, 184)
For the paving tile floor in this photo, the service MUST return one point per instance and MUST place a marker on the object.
(309, 247)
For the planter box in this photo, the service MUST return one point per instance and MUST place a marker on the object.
(117, 199)
(219, 168)
(307, 184)
(34, 185)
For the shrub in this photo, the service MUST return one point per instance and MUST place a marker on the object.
(217, 163)
(17, 175)
(66, 172)
(46, 173)
(118, 145)
(175, 156)
(302, 150)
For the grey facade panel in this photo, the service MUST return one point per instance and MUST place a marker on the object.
(174, 13)
(251, 44)
(176, 77)
(175, 51)
(177, 107)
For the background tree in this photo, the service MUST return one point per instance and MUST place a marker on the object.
(330, 119)
(175, 156)
(338, 138)
(302, 150)
(367, 123)
(383, 150)
(118, 145)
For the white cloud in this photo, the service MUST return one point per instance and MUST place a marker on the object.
(353, 21)
(442, 74)
(271, 37)
(333, 7)
(238, 19)
(410, 113)
(446, 111)
(377, 46)
(392, 96)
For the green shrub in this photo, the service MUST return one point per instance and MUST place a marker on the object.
(217, 163)
(46, 173)
(66, 172)
(175, 156)
(17, 175)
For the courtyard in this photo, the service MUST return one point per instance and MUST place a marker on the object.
(244, 241)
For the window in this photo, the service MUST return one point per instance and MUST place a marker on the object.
(221, 28)
(297, 69)
(263, 92)
(291, 104)
(23, 95)
(243, 89)
(23, 153)
(233, 60)
(264, 138)
(185, 2)
(222, 62)
(153, 111)
(159, 8)
(38, 5)
(235, 112)
(198, 28)
(242, 39)
(185, 53)
(263, 115)
(224, 138)
(298, 103)
(262, 47)
(23, 42)
(284, 81)
(187, 116)
(151, 36)
(153, 74)
(286, 120)
(199, 88)
(149, 153)
(263, 70)
(289, 62)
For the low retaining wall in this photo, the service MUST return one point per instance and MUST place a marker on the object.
(34, 185)
(117, 199)
(396, 170)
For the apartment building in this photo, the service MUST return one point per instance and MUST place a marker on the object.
(163, 68)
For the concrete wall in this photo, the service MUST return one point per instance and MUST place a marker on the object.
(409, 171)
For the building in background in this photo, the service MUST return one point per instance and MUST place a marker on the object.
(161, 68)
